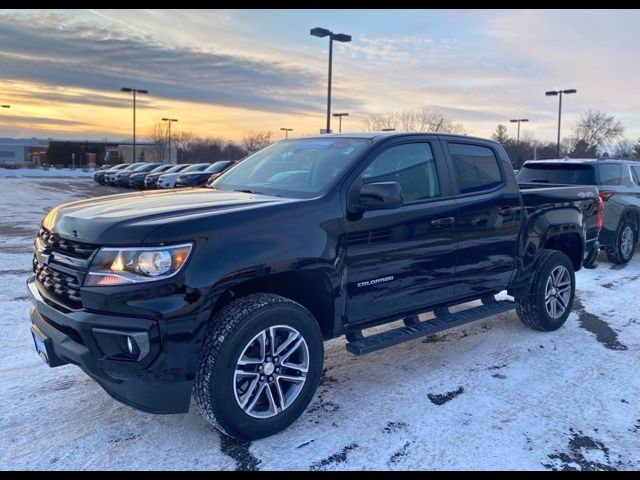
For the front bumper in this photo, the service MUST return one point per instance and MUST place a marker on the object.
(75, 337)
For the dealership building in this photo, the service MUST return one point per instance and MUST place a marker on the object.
(81, 153)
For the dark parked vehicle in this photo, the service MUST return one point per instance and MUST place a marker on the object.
(168, 180)
(122, 178)
(619, 184)
(136, 179)
(200, 179)
(99, 175)
(151, 180)
(227, 294)
(110, 175)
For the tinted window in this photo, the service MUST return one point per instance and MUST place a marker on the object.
(198, 167)
(217, 167)
(298, 168)
(476, 167)
(567, 173)
(411, 165)
(635, 174)
(610, 173)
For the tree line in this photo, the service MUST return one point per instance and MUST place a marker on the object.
(192, 148)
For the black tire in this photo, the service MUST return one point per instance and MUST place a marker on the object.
(592, 257)
(616, 253)
(230, 331)
(532, 308)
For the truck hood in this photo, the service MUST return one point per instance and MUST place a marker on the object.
(129, 218)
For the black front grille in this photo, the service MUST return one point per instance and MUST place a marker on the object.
(68, 247)
(63, 287)
(61, 281)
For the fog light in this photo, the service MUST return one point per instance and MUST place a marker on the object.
(130, 345)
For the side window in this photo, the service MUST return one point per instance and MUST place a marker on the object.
(610, 173)
(635, 174)
(411, 165)
(476, 167)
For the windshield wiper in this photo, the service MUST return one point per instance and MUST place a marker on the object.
(246, 190)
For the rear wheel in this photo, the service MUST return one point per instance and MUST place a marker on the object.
(260, 367)
(550, 299)
(625, 244)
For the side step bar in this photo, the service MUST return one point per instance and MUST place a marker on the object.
(359, 345)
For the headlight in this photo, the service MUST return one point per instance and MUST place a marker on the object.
(122, 266)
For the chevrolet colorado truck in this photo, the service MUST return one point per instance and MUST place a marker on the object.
(226, 294)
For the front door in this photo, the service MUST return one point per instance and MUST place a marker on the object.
(404, 258)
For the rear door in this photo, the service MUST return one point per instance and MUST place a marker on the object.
(489, 215)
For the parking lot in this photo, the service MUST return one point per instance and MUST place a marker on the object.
(492, 395)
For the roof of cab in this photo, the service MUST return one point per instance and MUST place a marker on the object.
(378, 136)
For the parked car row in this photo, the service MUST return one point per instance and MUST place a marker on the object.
(157, 175)
(618, 183)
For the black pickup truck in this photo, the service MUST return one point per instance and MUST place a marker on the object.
(227, 294)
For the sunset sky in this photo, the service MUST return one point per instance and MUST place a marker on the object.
(225, 73)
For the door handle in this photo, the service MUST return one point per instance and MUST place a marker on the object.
(506, 211)
(441, 222)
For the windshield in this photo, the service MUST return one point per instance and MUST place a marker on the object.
(119, 167)
(134, 166)
(177, 168)
(298, 168)
(146, 168)
(161, 168)
(568, 173)
(217, 167)
(198, 167)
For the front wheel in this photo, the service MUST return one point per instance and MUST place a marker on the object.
(260, 366)
(550, 299)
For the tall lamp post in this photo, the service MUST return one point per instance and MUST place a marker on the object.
(169, 121)
(134, 91)
(338, 37)
(286, 132)
(553, 93)
(340, 115)
(518, 121)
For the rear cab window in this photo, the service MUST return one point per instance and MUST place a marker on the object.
(557, 173)
(476, 167)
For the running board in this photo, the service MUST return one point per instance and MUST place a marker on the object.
(359, 345)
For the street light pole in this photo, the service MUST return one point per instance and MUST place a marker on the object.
(169, 120)
(518, 120)
(134, 91)
(286, 132)
(553, 93)
(338, 37)
(340, 115)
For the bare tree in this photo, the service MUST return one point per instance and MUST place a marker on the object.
(623, 149)
(183, 141)
(255, 141)
(424, 120)
(593, 131)
(159, 136)
(500, 135)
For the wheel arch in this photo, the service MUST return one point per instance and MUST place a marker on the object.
(310, 288)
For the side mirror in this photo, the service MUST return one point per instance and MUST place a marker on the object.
(380, 196)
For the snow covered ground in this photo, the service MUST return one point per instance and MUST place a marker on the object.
(492, 395)
(41, 172)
